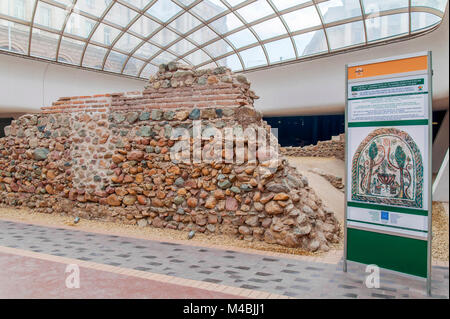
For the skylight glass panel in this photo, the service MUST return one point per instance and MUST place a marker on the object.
(79, 25)
(164, 57)
(242, 38)
(49, 16)
(146, 51)
(208, 66)
(197, 57)
(234, 2)
(311, 43)
(226, 23)
(120, 15)
(127, 42)
(269, 29)
(203, 35)
(144, 26)
(376, 6)
(421, 20)
(280, 50)
(164, 37)
(232, 62)
(148, 70)
(255, 11)
(181, 47)
(14, 37)
(163, 10)
(18, 9)
(387, 26)
(335, 10)
(218, 48)
(65, 2)
(435, 4)
(105, 34)
(302, 19)
(209, 9)
(95, 8)
(285, 4)
(140, 4)
(115, 61)
(186, 2)
(44, 44)
(70, 51)
(93, 57)
(185, 23)
(133, 66)
(253, 57)
(345, 35)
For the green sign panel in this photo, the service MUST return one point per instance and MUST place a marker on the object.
(388, 164)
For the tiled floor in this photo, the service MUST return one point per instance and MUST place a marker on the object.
(37, 278)
(277, 275)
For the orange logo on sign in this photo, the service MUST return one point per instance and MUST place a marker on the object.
(359, 71)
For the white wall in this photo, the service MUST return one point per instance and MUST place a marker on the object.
(26, 85)
(318, 86)
(441, 184)
(440, 144)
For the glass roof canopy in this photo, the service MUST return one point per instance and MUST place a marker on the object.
(133, 37)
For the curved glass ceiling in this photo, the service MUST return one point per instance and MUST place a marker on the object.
(133, 37)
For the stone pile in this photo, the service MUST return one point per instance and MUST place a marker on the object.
(332, 148)
(116, 165)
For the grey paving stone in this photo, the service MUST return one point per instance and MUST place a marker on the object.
(290, 271)
(382, 296)
(246, 286)
(216, 281)
(262, 274)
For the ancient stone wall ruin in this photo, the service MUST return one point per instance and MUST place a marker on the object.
(111, 157)
(331, 148)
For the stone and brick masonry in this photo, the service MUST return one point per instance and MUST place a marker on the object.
(108, 157)
(332, 148)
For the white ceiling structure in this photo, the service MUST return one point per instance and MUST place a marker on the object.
(132, 37)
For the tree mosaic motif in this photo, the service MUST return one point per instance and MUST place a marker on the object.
(387, 168)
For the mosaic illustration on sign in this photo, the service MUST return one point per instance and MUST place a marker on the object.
(387, 169)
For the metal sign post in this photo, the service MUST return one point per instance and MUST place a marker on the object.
(388, 131)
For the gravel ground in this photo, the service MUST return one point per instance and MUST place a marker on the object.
(440, 232)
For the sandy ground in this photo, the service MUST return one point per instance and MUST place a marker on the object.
(329, 165)
(332, 197)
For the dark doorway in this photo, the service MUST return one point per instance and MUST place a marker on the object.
(4, 122)
(306, 130)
